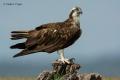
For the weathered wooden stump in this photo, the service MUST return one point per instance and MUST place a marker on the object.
(64, 71)
(65, 68)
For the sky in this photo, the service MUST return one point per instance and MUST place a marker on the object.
(97, 50)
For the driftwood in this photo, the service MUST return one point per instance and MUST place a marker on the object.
(64, 71)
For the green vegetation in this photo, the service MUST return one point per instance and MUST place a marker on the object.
(57, 77)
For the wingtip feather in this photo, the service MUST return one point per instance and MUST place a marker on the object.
(15, 56)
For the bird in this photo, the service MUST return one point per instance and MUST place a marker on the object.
(50, 37)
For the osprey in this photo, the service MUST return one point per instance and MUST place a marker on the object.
(50, 37)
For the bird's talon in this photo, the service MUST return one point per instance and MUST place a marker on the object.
(64, 61)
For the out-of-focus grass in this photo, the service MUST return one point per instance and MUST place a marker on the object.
(17, 78)
(34, 78)
(111, 78)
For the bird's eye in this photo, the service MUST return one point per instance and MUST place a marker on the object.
(73, 10)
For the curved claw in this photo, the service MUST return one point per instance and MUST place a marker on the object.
(72, 60)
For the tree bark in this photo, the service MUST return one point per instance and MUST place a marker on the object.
(64, 71)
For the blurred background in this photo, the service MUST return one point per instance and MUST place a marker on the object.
(97, 50)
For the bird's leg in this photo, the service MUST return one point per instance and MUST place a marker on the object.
(62, 58)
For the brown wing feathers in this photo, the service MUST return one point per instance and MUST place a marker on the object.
(46, 38)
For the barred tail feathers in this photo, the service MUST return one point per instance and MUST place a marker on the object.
(22, 53)
(25, 52)
(19, 35)
(18, 46)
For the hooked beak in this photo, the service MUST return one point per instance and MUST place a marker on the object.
(81, 12)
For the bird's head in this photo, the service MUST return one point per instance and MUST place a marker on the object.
(75, 12)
